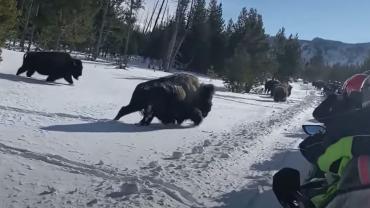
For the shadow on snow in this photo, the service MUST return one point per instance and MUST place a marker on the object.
(259, 193)
(107, 126)
(15, 78)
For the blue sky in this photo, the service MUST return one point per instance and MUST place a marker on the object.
(343, 20)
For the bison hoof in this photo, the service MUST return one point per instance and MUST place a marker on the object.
(143, 124)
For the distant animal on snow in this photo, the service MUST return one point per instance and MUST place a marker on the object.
(172, 99)
(318, 84)
(55, 65)
(281, 92)
(269, 85)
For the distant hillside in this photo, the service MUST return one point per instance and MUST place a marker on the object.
(335, 51)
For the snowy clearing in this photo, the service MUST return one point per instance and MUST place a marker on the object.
(59, 147)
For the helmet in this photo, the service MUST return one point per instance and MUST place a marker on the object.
(354, 83)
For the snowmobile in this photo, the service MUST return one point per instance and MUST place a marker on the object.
(342, 176)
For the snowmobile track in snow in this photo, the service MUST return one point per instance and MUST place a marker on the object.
(228, 148)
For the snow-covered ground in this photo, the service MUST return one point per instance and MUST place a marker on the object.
(59, 147)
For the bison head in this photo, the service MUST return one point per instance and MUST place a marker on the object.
(77, 68)
(205, 96)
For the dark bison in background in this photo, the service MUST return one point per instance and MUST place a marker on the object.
(55, 65)
(269, 85)
(281, 92)
(172, 99)
(318, 84)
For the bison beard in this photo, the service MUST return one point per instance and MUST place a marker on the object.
(172, 99)
(56, 65)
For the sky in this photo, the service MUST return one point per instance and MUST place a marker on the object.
(342, 20)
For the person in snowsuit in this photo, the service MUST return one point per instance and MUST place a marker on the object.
(333, 161)
(355, 94)
(337, 157)
(336, 104)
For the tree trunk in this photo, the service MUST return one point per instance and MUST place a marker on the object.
(164, 13)
(171, 45)
(31, 39)
(151, 17)
(98, 43)
(177, 49)
(159, 14)
(26, 26)
(180, 15)
(60, 32)
(145, 22)
(125, 60)
(168, 56)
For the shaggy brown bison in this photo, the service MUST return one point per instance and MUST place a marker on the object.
(269, 85)
(281, 92)
(56, 65)
(172, 99)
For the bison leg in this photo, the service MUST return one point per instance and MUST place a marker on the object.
(30, 73)
(196, 116)
(146, 120)
(148, 116)
(69, 79)
(51, 78)
(127, 110)
(179, 121)
(21, 70)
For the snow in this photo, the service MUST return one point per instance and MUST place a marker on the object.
(60, 148)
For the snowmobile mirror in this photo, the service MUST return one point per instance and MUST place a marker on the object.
(313, 129)
(286, 184)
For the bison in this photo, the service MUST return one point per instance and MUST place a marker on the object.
(55, 65)
(172, 99)
(281, 92)
(318, 84)
(269, 85)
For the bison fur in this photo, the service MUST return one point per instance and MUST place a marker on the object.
(172, 99)
(55, 65)
(281, 92)
(269, 85)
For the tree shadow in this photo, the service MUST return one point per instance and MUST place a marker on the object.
(108, 126)
(259, 193)
(236, 97)
(248, 103)
(278, 159)
(300, 135)
(254, 196)
(46, 114)
(15, 78)
(137, 78)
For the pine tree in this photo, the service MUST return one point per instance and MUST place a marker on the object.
(182, 6)
(217, 37)
(8, 15)
(248, 40)
(288, 55)
(194, 50)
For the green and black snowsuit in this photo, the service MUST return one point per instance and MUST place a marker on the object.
(333, 160)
